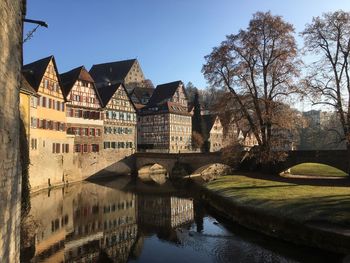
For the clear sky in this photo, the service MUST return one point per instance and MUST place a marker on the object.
(168, 37)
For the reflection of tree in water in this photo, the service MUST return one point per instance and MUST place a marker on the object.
(199, 214)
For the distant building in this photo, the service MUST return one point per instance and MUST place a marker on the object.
(128, 72)
(233, 133)
(83, 110)
(164, 124)
(119, 135)
(313, 116)
(50, 150)
(213, 132)
(140, 95)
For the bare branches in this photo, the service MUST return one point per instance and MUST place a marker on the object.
(257, 66)
(329, 37)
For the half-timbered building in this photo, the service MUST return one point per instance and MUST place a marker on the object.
(165, 124)
(50, 149)
(83, 110)
(119, 134)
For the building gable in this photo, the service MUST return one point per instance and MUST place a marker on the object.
(80, 88)
(135, 74)
(180, 96)
(50, 83)
(120, 100)
(217, 126)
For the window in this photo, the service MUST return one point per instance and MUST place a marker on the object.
(33, 102)
(98, 132)
(92, 132)
(33, 122)
(76, 113)
(46, 83)
(77, 148)
(95, 147)
(70, 112)
(85, 148)
(33, 144)
(56, 148)
(55, 87)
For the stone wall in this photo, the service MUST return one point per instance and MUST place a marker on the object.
(10, 66)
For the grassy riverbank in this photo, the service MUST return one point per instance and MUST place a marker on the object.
(315, 169)
(301, 203)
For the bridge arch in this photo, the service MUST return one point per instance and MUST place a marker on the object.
(333, 158)
(315, 169)
(153, 172)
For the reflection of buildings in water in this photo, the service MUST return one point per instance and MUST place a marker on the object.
(164, 212)
(53, 215)
(79, 225)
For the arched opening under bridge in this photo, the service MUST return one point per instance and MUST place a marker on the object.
(314, 170)
(153, 172)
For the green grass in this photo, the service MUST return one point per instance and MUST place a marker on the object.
(316, 169)
(299, 202)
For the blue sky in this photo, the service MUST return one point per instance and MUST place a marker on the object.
(168, 37)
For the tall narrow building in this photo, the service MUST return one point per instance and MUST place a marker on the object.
(84, 118)
(119, 135)
(165, 124)
(50, 150)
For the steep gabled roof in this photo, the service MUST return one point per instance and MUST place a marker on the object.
(34, 72)
(164, 92)
(107, 92)
(111, 72)
(69, 78)
(26, 87)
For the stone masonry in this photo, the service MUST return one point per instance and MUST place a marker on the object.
(11, 13)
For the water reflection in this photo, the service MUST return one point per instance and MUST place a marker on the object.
(90, 222)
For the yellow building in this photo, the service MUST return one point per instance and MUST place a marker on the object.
(51, 158)
(26, 95)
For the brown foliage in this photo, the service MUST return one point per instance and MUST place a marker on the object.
(197, 140)
(257, 66)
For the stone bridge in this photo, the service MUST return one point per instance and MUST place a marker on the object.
(335, 158)
(197, 162)
(191, 162)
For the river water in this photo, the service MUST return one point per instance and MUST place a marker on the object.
(126, 221)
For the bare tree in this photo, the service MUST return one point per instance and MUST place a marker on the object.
(328, 39)
(258, 66)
